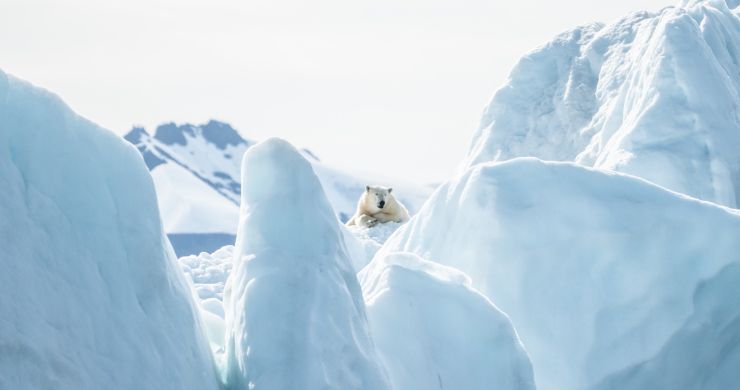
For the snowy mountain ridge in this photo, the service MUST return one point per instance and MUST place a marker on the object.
(656, 95)
(211, 152)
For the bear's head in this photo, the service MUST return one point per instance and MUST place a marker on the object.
(377, 198)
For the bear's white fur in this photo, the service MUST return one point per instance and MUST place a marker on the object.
(378, 205)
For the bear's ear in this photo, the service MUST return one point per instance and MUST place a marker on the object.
(367, 188)
(390, 190)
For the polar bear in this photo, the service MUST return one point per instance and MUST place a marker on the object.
(378, 205)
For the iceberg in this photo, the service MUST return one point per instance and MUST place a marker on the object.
(294, 312)
(433, 330)
(609, 280)
(654, 94)
(91, 296)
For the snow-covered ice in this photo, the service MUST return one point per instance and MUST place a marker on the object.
(295, 317)
(608, 279)
(656, 95)
(434, 331)
(91, 296)
(368, 240)
(209, 271)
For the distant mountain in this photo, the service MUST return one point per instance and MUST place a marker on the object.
(210, 152)
(197, 170)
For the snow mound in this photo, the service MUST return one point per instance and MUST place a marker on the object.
(434, 331)
(656, 95)
(608, 279)
(208, 273)
(90, 293)
(295, 317)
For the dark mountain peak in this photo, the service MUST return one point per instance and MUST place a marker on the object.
(221, 134)
(171, 134)
(136, 135)
(218, 133)
(139, 137)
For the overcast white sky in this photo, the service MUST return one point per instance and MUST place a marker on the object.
(393, 87)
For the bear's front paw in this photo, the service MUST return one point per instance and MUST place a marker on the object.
(370, 222)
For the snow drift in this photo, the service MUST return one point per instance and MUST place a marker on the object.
(90, 294)
(434, 331)
(610, 281)
(656, 95)
(294, 311)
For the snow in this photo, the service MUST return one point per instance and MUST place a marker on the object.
(704, 353)
(190, 205)
(295, 317)
(90, 293)
(364, 242)
(609, 280)
(208, 272)
(656, 95)
(434, 331)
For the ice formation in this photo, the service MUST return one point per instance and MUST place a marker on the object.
(656, 95)
(295, 317)
(609, 280)
(434, 331)
(91, 296)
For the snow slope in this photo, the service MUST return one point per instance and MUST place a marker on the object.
(190, 205)
(295, 317)
(609, 280)
(197, 175)
(434, 331)
(656, 95)
(90, 293)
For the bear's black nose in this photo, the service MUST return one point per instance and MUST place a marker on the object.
(381, 204)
